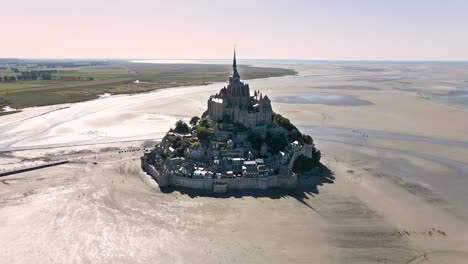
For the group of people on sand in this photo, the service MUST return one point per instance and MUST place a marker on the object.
(430, 232)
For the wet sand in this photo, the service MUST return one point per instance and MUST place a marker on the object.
(394, 191)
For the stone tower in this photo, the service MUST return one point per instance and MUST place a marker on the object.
(234, 103)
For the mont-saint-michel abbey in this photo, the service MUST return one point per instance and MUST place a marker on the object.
(235, 103)
(238, 143)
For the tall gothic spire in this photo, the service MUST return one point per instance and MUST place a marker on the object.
(235, 74)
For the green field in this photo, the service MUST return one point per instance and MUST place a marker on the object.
(118, 78)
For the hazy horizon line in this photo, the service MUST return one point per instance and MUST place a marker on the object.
(229, 59)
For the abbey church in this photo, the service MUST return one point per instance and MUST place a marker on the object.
(235, 104)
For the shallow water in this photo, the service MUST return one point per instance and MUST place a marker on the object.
(402, 86)
(8, 109)
(351, 135)
(457, 97)
(325, 99)
(448, 188)
(349, 87)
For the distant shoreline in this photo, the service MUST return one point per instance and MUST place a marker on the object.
(221, 61)
(72, 84)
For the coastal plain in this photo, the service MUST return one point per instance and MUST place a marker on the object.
(85, 80)
(394, 187)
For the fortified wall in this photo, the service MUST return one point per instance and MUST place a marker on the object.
(277, 181)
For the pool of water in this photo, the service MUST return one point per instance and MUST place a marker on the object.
(403, 86)
(458, 97)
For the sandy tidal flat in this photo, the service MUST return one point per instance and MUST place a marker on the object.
(395, 188)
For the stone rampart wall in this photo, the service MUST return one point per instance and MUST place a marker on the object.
(288, 182)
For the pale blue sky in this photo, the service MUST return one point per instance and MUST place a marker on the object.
(343, 30)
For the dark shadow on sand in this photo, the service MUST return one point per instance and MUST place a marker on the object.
(307, 185)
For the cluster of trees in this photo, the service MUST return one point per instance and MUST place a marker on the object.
(204, 129)
(63, 65)
(181, 127)
(40, 75)
(204, 133)
(202, 126)
(36, 75)
(293, 131)
(29, 75)
(283, 122)
(70, 64)
(8, 78)
(194, 121)
(206, 123)
(277, 143)
(179, 144)
(303, 163)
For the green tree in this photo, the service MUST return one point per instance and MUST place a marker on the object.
(203, 133)
(294, 134)
(180, 151)
(207, 123)
(181, 127)
(276, 142)
(283, 122)
(194, 121)
(307, 139)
